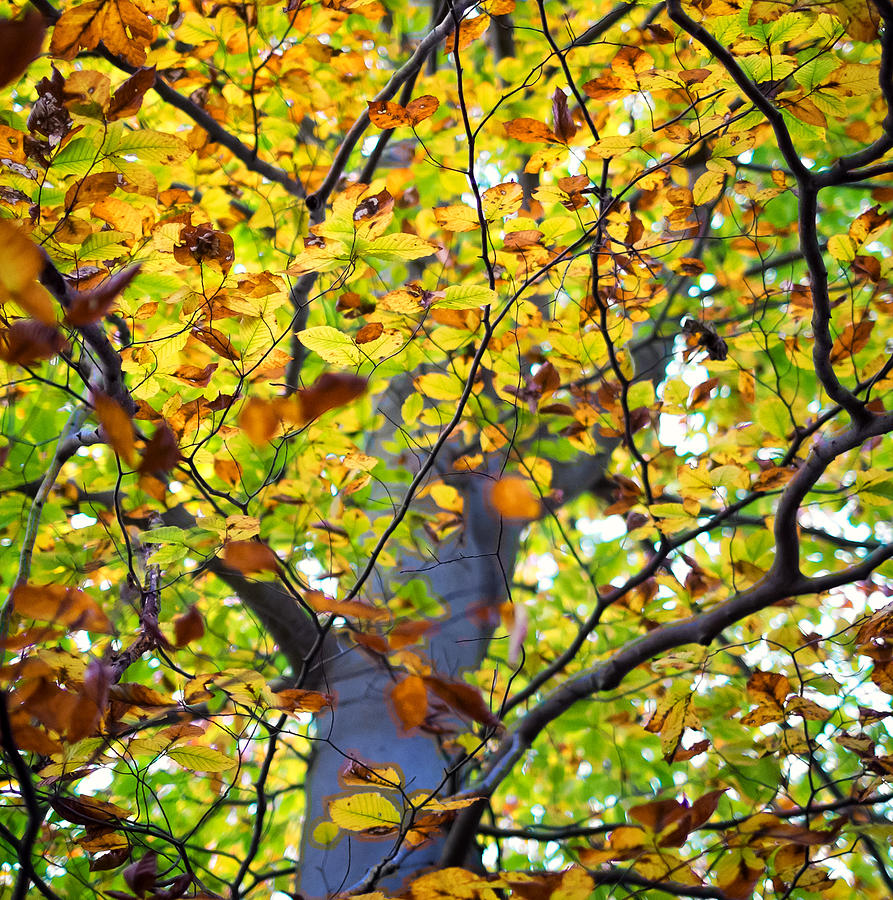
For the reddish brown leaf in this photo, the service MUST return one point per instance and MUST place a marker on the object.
(463, 698)
(161, 454)
(217, 341)
(565, 127)
(250, 556)
(202, 244)
(141, 876)
(369, 333)
(20, 43)
(188, 627)
(330, 390)
(126, 101)
(86, 307)
(27, 340)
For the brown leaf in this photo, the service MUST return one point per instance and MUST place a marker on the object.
(119, 24)
(531, 130)
(296, 700)
(852, 340)
(20, 43)
(330, 390)
(91, 189)
(217, 341)
(202, 244)
(369, 333)
(410, 699)
(565, 127)
(127, 100)
(248, 557)
(87, 811)
(463, 698)
(27, 340)
(86, 307)
(188, 627)
(141, 875)
(117, 426)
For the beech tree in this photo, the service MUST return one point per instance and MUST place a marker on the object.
(446, 449)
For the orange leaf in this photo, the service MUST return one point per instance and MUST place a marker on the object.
(55, 603)
(532, 130)
(353, 608)
(117, 426)
(296, 700)
(853, 339)
(385, 114)
(422, 108)
(512, 498)
(20, 43)
(410, 701)
(250, 556)
(469, 30)
(259, 420)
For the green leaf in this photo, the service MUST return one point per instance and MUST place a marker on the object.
(200, 759)
(332, 345)
(395, 247)
(460, 296)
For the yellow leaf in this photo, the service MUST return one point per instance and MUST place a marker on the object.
(457, 217)
(369, 813)
(502, 200)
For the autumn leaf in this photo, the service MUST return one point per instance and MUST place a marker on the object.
(249, 557)
(119, 24)
(116, 425)
(20, 43)
(329, 391)
(512, 497)
(531, 130)
(410, 699)
(56, 603)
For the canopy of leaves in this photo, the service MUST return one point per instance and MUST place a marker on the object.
(278, 284)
